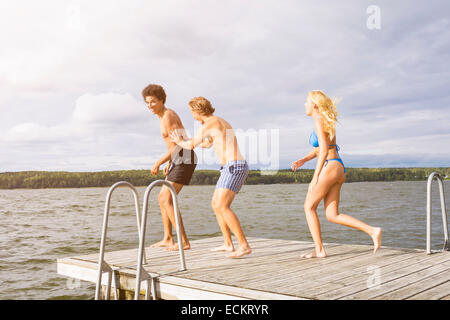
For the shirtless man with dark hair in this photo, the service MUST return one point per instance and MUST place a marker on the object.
(180, 166)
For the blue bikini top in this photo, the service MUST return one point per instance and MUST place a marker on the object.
(314, 141)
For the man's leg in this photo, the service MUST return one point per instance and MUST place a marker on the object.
(167, 202)
(228, 242)
(167, 240)
(222, 208)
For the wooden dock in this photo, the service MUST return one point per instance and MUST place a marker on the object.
(275, 271)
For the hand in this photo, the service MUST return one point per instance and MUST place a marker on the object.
(207, 143)
(166, 168)
(154, 171)
(175, 137)
(297, 164)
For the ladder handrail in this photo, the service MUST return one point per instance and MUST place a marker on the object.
(102, 266)
(444, 212)
(141, 252)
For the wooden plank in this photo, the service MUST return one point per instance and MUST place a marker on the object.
(219, 261)
(308, 267)
(340, 268)
(267, 272)
(252, 267)
(258, 257)
(346, 286)
(420, 286)
(321, 282)
(271, 281)
(152, 251)
(388, 286)
(296, 266)
(438, 292)
(230, 290)
(390, 273)
(129, 256)
(77, 262)
(172, 287)
(209, 265)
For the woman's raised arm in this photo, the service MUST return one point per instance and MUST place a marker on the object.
(300, 162)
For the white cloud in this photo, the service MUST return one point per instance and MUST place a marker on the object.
(33, 132)
(97, 115)
(108, 108)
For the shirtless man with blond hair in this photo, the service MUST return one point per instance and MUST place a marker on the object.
(216, 132)
(180, 164)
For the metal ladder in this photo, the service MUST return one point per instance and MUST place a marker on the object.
(103, 267)
(444, 212)
(141, 273)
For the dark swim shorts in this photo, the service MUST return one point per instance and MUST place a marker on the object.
(182, 167)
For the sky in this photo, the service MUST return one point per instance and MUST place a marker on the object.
(72, 72)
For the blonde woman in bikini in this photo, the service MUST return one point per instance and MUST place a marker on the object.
(329, 174)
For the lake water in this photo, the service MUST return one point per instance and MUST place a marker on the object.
(39, 226)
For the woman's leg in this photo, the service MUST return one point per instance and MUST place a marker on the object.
(327, 178)
(331, 203)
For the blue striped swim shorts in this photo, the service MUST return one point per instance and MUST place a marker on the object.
(233, 175)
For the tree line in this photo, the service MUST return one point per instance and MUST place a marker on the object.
(64, 179)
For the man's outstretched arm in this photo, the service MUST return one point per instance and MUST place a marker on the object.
(200, 138)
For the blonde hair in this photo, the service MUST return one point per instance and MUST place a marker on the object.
(327, 109)
(201, 105)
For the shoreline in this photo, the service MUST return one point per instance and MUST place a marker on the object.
(75, 180)
(201, 185)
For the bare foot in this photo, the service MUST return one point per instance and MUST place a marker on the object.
(224, 248)
(162, 243)
(174, 247)
(321, 254)
(240, 252)
(376, 237)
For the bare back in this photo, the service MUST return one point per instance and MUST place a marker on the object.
(332, 154)
(223, 139)
(331, 144)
